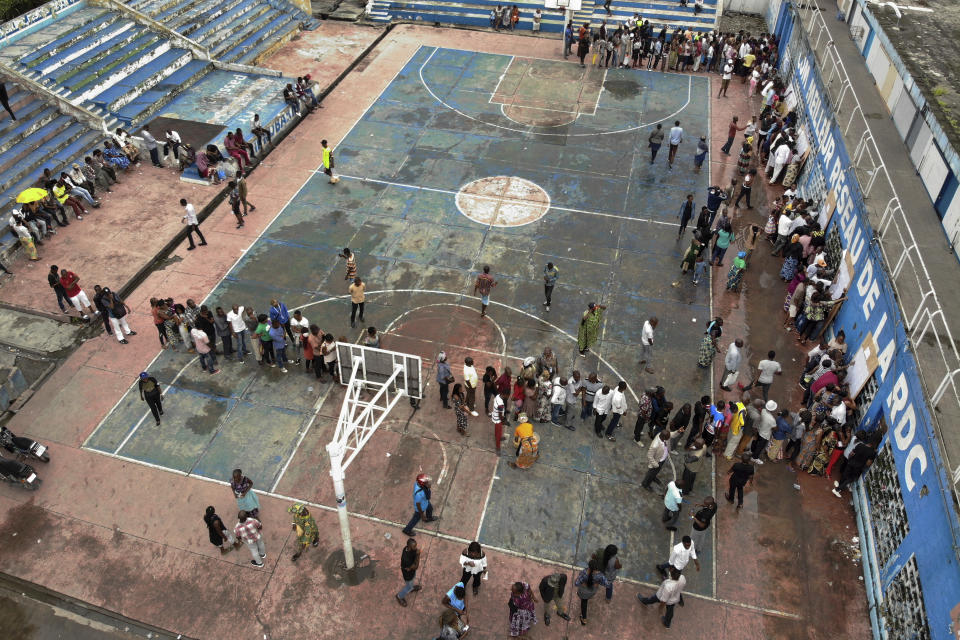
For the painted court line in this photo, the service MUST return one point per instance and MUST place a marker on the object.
(541, 133)
(452, 538)
(415, 187)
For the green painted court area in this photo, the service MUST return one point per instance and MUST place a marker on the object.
(470, 159)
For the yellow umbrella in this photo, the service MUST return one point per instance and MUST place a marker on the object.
(31, 195)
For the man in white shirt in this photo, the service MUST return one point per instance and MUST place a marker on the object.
(768, 422)
(656, 455)
(618, 407)
(780, 158)
(300, 327)
(725, 78)
(646, 343)
(238, 328)
(783, 232)
(602, 402)
(670, 593)
(766, 369)
(151, 143)
(172, 143)
(574, 389)
(193, 225)
(731, 363)
(676, 137)
(470, 381)
(558, 397)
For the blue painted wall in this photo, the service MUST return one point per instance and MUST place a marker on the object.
(899, 401)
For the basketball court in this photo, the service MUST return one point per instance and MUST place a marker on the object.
(467, 159)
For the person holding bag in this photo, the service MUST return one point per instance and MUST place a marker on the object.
(588, 583)
(444, 378)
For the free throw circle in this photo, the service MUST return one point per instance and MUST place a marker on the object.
(503, 201)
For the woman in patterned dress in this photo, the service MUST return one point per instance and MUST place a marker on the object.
(459, 408)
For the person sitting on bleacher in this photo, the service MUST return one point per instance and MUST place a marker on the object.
(77, 190)
(62, 194)
(23, 233)
(290, 97)
(237, 151)
(208, 161)
(125, 143)
(257, 129)
(187, 156)
(305, 93)
(242, 142)
(100, 166)
(115, 156)
(36, 227)
(47, 209)
(79, 178)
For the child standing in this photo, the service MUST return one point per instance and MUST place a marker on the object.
(699, 269)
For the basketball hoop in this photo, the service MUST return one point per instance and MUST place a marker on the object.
(563, 4)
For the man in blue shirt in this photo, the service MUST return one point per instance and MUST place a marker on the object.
(278, 312)
(715, 197)
(671, 506)
(279, 344)
(550, 275)
(421, 504)
(567, 39)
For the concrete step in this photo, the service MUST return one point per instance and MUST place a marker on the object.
(59, 34)
(215, 31)
(254, 46)
(57, 160)
(97, 61)
(141, 108)
(96, 77)
(139, 77)
(28, 122)
(44, 144)
(254, 33)
(83, 49)
(237, 28)
(205, 14)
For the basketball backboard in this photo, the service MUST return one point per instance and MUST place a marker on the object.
(377, 366)
(568, 5)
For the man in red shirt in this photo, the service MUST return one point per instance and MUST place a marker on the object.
(71, 285)
(484, 284)
(731, 134)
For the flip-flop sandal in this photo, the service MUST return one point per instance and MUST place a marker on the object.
(403, 603)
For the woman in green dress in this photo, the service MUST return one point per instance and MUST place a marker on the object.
(306, 528)
(589, 327)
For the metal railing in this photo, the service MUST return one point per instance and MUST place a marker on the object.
(926, 325)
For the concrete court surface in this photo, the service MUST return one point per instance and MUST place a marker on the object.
(132, 519)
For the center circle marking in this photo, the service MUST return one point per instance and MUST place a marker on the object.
(503, 201)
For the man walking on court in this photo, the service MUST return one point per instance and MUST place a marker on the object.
(676, 137)
(193, 225)
(550, 275)
(646, 342)
(669, 594)
(656, 141)
(248, 529)
(328, 162)
(409, 563)
(357, 298)
(657, 454)
(766, 369)
(484, 284)
(470, 381)
(731, 134)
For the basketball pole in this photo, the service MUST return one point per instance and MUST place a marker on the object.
(336, 450)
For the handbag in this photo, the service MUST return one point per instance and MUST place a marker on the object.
(449, 380)
(730, 379)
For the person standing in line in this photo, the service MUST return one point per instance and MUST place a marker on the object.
(208, 357)
(558, 398)
(220, 536)
(328, 163)
(740, 473)
(522, 604)
(421, 504)
(860, 459)
(768, 422)
(456, 601)
(489, 382)
(484, 284)
(329, 351)
(589, 328)
(676, 137)
(590, 387)
(732, 130)
(71, 286)
(193, 225)
(444, 378)
(470, 381)
(498, 416)
(222, 328)
(574, 391)
(738, 414)
(248, 529)
(53, 279)
(672, 500)
(701, 519)
(725, 77)
(618, 408)
(351, 259)
(238, 331)
(280, 313)
(251, 323)
(583, 48)
(731, 364)
(409, 563)
(685, 214)
(766, 370)
(668, 595)
(657, 454)
(150, 393)
(300, 327)
(357, 297)
(550, 275)
(537, 18)
(610, 564)
(646, 342)
(655, 141)
(551, 591)
(694, 462)
(279, 342)
(116, 311)
(602, 401)
(263, 338)
(588, 583)
(746, 188)
(151, 146)
(459, 409)
(474, 563)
